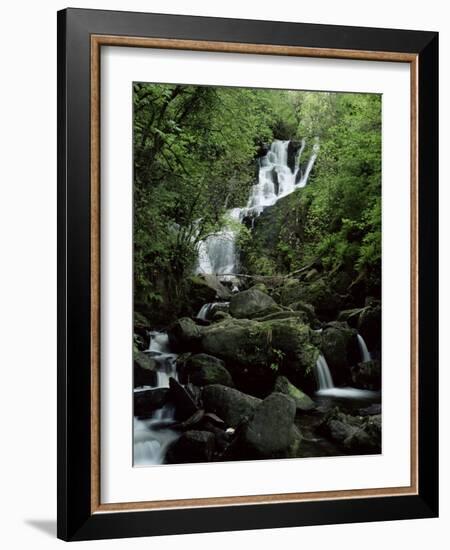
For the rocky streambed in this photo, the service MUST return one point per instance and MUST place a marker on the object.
(241, 380)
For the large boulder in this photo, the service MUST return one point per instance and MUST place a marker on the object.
(185, 403)
(340, 348)
(148, 401)
(294, 351)
(270, 432)
(203, 289)
(251, 303)
(318, 293)
(229, 404)
(144, 369)
(184, 335)
(369, 326)
(202, 369)
(355, 434)
(302, 401)
(191, 446)
(256, 351)
(367, 375)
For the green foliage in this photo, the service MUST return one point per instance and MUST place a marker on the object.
(194, 158)
(194, 150)
(336, 218)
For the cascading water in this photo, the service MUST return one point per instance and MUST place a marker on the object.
(217, 254)
(152, 436)
(324, 378)
(365, 354)
(208, 309)
(328, 389)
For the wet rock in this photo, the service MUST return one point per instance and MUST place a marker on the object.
(318, 293)
(340, 349)
(148, 401)
(220, 316)
(259, 286)
(184, 335)
(185, 404)
(228, 404)
(221, 290)
(203, 369)
(144, 369)
(203, 290)
(255, 352)
(374, 408)
(270, 432)
(192, 446)
(369, 326)
(353, 433)
(367, 375)
(251, 303)
(302, 401)
(191, 422)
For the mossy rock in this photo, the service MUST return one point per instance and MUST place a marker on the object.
(367, 375)
(144, 369)
(203, 369)
(270, 432)
(369, 325)
(300, 316)
(184, 335)
(259, 286)
(302, 401)
(255, 352)
(303, 306)
(203, 290)
(229, 404)
(318, 293)
(340, 349)
(251, 303)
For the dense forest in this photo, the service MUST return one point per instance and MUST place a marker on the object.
(305, 283)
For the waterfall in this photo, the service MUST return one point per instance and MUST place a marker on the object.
(324, 378)
(152, 436)
(207, 310)
(151, 439)
(365, 354)
(166, 361)
(204, 310)
(217, 254)
(328, 389)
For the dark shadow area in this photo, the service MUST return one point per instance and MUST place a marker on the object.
(46, 526)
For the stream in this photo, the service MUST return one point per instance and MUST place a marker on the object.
(218, 255)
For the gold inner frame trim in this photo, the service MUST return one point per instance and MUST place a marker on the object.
(97, 41)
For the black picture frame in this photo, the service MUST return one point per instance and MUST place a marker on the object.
(76, 520)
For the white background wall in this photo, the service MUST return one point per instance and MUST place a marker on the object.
(28, 271)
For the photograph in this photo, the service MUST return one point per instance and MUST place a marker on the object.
(257, 274)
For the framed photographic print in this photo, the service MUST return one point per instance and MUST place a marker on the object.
(247, 274)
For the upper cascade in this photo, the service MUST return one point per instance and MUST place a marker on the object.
(217, 254)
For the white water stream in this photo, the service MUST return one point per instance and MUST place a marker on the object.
(151, 438)
(217, 254)
(325, 380)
